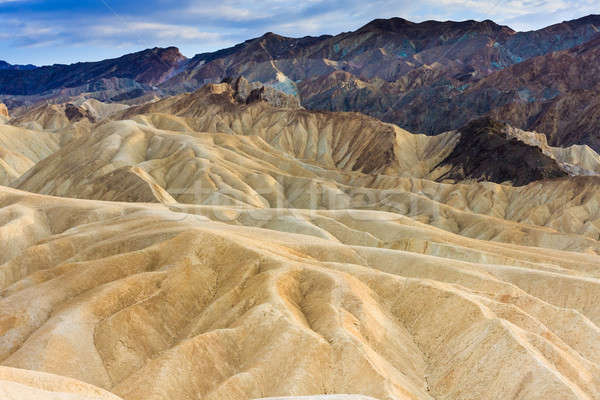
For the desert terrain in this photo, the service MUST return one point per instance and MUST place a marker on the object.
(349, 217)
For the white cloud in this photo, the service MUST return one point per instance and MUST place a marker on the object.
(224, 11)
(151, 30)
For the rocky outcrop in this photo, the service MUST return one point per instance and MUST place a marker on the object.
(486, 153)
(250, 92)
(74, 113)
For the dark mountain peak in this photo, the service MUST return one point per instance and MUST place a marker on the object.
(486, 26)
(157, 50)
(588, 23)
(158, 53)
(271, 35)
(485, 152)
(272, 38)
(401, 25)
(395, 24)
(270, 45)
(483, 125)
(164, 53)
(557, 37)
(592, 19)
(168, 50)
(495, 27)
(6, 66)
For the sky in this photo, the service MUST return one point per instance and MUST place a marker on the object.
(44, 32)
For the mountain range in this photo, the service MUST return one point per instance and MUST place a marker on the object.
(426, 77)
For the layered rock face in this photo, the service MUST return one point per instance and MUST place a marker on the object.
(246, 92)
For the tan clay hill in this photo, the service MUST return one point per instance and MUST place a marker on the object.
(18, 384)
(4, 112)
(206, 247)
(21, 149)
(28, 138)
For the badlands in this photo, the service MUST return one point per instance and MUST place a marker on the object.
(229, 244)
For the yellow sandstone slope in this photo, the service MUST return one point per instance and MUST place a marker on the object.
(17, 384)
(177, 302)
(203, 249)
(21, 149)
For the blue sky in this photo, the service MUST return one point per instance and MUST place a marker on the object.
(65, 31)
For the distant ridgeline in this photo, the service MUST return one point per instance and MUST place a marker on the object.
(427, 77)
